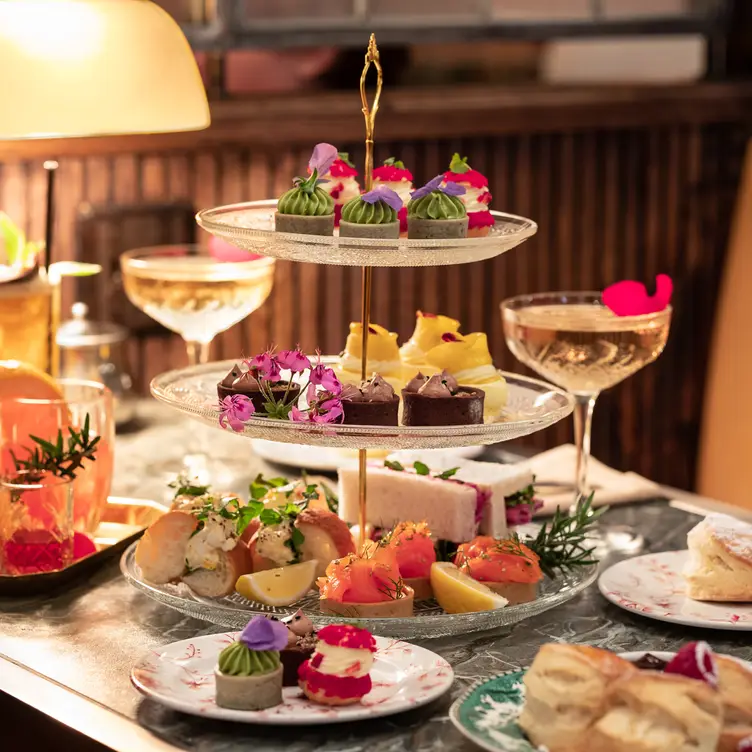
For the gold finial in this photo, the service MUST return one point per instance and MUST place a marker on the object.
(369, 112)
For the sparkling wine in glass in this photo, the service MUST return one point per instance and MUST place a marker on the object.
(575, 341)
(197, 294)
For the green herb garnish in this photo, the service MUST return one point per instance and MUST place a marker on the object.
(394, 465)
(561, 544)
(421, 468)
(185, 487)
(59, 458)
(261, 486)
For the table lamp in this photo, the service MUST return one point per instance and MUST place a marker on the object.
(75, 68)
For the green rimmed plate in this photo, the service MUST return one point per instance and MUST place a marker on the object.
(487, 714)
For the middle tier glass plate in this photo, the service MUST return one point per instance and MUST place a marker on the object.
(532, 406)
(234, 611)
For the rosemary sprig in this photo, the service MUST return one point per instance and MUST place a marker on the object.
(562, 543)
(60, 458)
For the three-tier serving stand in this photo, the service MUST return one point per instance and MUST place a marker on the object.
(532, 405)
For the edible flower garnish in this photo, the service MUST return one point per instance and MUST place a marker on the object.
(385, 194)
(325, 377)
(323, 407)
(451, 189)
(293, 360)
(320, 163)
(630, 298)
(262, 633)
(234, 411)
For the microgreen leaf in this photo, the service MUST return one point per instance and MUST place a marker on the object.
(421, 468)
(270, 517)
(447, 474)
(393, 465)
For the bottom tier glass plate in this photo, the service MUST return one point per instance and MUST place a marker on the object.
(429, 621)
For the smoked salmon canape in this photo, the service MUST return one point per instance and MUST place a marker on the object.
(366, 585)
(413, 546)
(505, 565)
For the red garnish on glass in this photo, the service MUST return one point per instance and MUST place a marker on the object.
(450, 337)
(630, 298)
(695, 661)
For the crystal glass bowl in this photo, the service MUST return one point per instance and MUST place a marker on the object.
(250, 226)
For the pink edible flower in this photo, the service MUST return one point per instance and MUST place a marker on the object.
(234, 411)
(630, 298)
(293, 360)
(266, 365)
(323, 407)
(325, 378)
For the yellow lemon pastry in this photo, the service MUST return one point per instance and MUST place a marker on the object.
(429, 328)
(383, 356)
(467, 358)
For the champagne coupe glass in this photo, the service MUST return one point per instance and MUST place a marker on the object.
(197, 294)
(575, 341)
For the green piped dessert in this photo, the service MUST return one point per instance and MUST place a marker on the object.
(434, 212)
(249, 672)
(307, 209)
(372, 215)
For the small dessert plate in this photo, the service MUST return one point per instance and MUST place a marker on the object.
(488, 711)
(181, 676)
(653, 586)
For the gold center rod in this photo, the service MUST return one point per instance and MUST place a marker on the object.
(369, 113)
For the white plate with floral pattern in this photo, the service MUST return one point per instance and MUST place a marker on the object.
(653, 586)
(181, 676)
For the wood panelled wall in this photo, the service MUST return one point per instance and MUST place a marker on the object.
(612, 202)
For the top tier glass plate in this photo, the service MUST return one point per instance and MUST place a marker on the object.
(251, 226)
(532, 406)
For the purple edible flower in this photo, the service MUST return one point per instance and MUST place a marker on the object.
(293, 360)
(323, 157)
(385, 194)
(266, 365)
(450, 189)
(234, 411)
(264, 634)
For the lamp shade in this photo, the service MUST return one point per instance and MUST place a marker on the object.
(95, 68)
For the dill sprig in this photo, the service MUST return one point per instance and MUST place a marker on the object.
(60, 458)
(561, 544)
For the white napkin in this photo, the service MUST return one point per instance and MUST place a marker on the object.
(611, 487)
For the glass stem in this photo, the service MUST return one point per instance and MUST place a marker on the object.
(198, 352)
(583, 424)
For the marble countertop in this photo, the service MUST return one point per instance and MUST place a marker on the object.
(86, 639)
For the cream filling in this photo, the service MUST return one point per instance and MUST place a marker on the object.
(204, 548)
(401, 187)
(271, 543)
(344, 662)
(350, 188)
(471, 199)
(351, 364)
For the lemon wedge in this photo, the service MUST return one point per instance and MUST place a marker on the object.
(458, 593)
(282, 586)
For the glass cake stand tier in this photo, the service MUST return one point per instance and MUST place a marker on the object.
(234, 611)
(532, 406)
(251, 226)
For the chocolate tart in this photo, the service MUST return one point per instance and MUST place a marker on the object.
(256, 395)
(371, 413)
(465, 407)
(293, 657)
(397, 608)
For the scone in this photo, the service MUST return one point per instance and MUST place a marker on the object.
(653, 712)
(720, 563)
(735, 688)
(565, 691)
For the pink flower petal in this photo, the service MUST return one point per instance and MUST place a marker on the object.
(630, 298)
